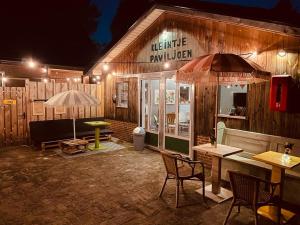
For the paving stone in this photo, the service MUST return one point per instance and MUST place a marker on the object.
(118, 187)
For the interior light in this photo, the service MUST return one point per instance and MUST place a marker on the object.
(94, 79)
(105, 67)
(114, 73)
(98, 77)
(45, 80)
(68, 79)
(228, 86)
(282, 53)
(75, 79)
(4, 79)
(167, 65)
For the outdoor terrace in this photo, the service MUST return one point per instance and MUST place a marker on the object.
(118, 187)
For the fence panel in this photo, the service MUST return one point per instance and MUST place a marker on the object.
(16, 114)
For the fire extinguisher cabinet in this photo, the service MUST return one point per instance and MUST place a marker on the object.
(284, 94)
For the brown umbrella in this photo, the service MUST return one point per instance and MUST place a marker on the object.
(221, 68)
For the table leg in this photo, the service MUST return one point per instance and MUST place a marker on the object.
(216, 175)
(97, 134)
(214, 191)
(278, 176)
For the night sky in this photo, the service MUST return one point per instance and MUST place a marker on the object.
(109, 7)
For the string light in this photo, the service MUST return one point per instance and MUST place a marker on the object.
(105, 67)
(44, 69)
(31, 63)
(167, 65)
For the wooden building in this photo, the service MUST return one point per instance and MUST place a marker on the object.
(141, 90)
(16, 72)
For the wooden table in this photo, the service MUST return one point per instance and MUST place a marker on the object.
(279, 165)
(97, 125)
(215, 191)
(73, 146)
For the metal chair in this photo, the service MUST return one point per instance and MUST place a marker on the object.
(182, 168)
(258, 194)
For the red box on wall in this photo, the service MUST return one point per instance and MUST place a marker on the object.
(284, 94)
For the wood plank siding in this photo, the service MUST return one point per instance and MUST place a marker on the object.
(212, 36)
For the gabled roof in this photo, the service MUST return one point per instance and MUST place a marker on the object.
(143, 23)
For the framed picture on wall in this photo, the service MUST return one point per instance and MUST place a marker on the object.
(170, 97)
(38, 108)
(122, 94)
(60, 110)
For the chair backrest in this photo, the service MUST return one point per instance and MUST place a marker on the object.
(170, 162)
(244, 187)
(171, 118)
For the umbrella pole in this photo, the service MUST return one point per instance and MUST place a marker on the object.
(217, 107)
(74, 128)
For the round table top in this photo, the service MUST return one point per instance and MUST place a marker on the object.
(97, 123)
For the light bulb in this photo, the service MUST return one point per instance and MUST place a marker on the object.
(282, 53)
(105, 67)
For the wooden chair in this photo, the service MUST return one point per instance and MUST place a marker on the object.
(170, 117)
(259, 195)
(180, 169)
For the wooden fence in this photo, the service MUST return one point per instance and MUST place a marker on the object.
(25, 104)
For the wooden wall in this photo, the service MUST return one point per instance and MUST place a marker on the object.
(216, 36)
(129, 114)
(15, 118)
(259, 117)
(42, 91)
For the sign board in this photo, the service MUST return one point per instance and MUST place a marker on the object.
(9, 102)
(171, 45)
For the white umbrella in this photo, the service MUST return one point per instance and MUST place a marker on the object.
(72, 99)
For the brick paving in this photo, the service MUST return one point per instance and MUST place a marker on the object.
(118, 187)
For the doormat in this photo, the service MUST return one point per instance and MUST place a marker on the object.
(109, 147)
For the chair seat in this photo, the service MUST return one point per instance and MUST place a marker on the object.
(186, 171)
(270, 213)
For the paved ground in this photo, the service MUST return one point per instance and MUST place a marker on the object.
(119, 187)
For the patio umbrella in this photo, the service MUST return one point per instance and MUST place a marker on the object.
(222, 68)
(72, 99)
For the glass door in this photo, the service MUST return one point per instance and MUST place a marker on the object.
(149, 116)
(166, 113)
(177, 116)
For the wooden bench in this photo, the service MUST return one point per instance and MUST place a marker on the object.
(254, 143)
(49, 133)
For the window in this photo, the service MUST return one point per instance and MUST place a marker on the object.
(184, 107)
(170, 110)
(233, 100)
